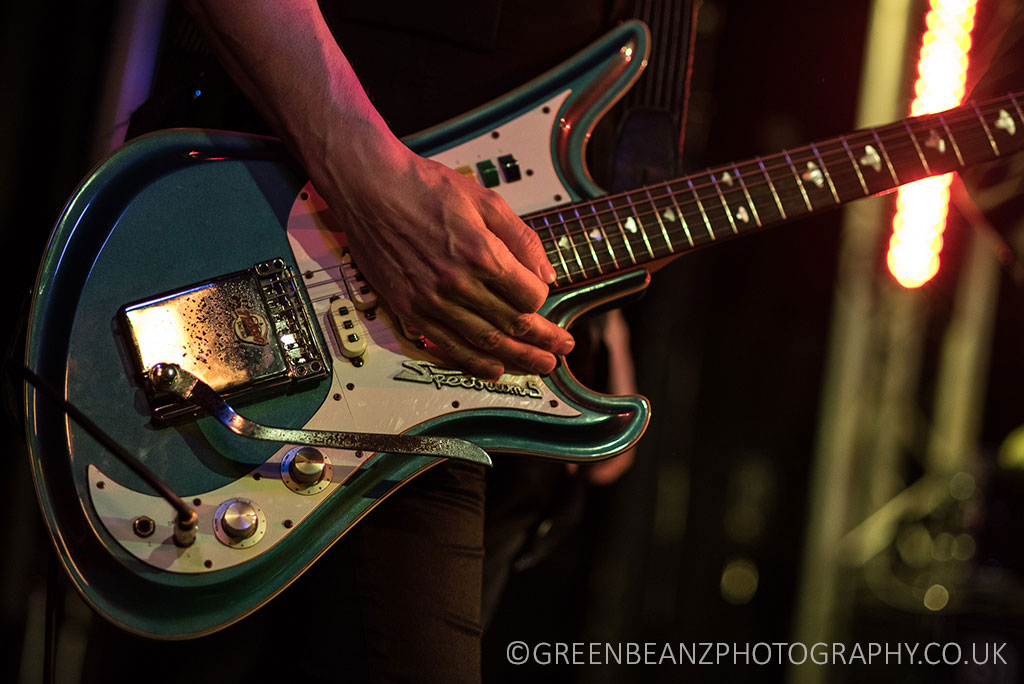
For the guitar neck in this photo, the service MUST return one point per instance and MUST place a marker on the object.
(599, 238)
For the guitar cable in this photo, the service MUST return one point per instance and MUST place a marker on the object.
(52, 619)
(186, 522)
(54, 592)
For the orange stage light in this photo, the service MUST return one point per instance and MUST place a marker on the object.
(920, 218)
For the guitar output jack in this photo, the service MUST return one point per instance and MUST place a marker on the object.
(143, 526)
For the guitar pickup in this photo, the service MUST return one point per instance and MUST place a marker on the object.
(244, 334)
(348, 329)
(362, 296)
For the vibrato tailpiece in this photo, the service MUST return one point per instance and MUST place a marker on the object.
(173, 379)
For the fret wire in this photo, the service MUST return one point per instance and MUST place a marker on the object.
(799, 183)
(917, 146)
(633, 227)
(903, 159)
(657, 215)
(583, 228)
(1020, 115)
(991, 140)
(838, 166)
(771, 186)
(607, 240)
(700, 207)
(558, 249)
(746, 193)
(576, 252)
(725, 205)
(679, 212)
(560, 243)
(828, 178)
(867, 139)
(640, 223)
(622, 231)
(590, 244)
(885, 156)
(548, 252)
(952, 140)
(572, 243)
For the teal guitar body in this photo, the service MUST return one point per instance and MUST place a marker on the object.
(181, 207)
(125, 285)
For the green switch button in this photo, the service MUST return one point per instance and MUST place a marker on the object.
(488, 172)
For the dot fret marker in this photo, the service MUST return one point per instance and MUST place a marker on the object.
(814, 175)
(871, 158)
(1006, 123)
(935, 142)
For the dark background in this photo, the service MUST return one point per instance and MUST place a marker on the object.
(729, 345)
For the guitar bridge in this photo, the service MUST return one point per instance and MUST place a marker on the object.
(245, 334)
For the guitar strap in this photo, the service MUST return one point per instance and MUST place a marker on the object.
(666, 81)
(650, 141)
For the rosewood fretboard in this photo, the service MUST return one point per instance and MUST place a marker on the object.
(598, 238)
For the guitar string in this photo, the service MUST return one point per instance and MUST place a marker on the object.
(380, 322)
(899, 150)
(900, 153)
(575, 260)
(788, 195)
(573, 227)
(896, 130)
(898, 144)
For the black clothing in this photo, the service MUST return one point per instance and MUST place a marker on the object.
(399, 598)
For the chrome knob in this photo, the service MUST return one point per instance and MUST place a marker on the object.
(239, 520)
(307, 466)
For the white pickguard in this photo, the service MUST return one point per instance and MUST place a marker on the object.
(528, 138)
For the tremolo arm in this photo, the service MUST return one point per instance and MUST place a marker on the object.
(181, 383)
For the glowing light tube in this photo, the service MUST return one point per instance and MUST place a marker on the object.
(920, 218)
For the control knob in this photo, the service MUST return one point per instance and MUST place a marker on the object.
(307, 466)
(239, 520)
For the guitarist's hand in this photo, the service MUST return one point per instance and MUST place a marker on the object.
(448, 255)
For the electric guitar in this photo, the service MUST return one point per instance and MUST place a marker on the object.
(208, 254)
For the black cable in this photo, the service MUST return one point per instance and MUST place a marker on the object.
(54, 601)
(185, 513)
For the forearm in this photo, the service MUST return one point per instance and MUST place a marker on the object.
(448, 255)
(282, 54)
